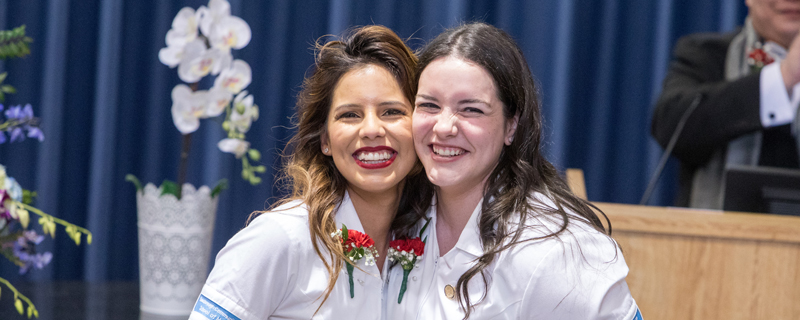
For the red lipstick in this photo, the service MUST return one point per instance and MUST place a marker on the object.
(370, 164)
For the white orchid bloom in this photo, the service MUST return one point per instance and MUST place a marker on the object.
(236, 146)
(216, 10)
(218, 99)
(171, 56)
(187, 108)
(236, 78)
(198, 61)
(224, 61)
(230, 32)
(184, 31)
(244, 112)
(184, 28)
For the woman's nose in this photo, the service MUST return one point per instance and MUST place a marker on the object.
(446, 124)
(372, 127)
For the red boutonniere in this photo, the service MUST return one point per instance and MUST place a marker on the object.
(356, 245)
(758, 58)
(407, 252)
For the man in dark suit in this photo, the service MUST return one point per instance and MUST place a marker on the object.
(747, 85)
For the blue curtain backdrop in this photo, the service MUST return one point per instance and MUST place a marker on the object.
(104, 99)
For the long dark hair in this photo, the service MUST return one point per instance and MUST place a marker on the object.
(522, 170)
(312, 177)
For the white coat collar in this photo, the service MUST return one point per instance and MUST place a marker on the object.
(346, 214)
(470, 239)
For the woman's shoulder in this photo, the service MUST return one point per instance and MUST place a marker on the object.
(287, 221)
(564, 233)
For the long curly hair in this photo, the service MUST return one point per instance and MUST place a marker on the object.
(312, 177)
(522, 170)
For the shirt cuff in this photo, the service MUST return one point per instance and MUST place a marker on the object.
(777, 108)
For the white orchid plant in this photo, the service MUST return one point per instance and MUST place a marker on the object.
(199, 44)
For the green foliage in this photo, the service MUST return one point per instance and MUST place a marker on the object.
(170, 187)
(5, 89)
(221, 185)
(14, 43)
(133, 179)
(249, 171)
(28, 196)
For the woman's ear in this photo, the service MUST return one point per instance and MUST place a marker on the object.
(511, 128)
(324, 145)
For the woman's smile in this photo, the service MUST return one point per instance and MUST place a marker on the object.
(375, 157)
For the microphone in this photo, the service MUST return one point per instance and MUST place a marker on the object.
(668, 150)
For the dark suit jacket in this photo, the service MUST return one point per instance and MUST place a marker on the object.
(728, 109)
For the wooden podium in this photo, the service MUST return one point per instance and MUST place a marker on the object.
(698, 264)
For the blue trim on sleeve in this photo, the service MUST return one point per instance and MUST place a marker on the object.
(212, 310)
(638, 315)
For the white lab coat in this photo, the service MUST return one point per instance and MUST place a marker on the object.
(269, 270)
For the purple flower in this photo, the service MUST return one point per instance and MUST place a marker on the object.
(17, 135)
(25, 250)
(34, 132)
(19, 120)
(27, 112)
(4, 212)
(14, 113)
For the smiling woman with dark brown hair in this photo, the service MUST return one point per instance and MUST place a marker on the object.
(352, 162)
(507, 239)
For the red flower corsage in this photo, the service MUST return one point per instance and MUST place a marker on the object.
(407, 252)
(356, 245)
(759, 58)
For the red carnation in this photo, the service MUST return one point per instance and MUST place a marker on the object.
(359, 239)
(407, 245)
(760, 58)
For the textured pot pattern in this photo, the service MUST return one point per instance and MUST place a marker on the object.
(174, 247)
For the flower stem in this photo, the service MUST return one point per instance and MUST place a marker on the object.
(184, 163)
(403, 285)
(17, 295)
(56, 220)
(350, 277)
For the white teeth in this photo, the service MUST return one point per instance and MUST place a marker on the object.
(447, 152)
(374, 156)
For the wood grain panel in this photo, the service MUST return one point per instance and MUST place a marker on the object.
(695, 264)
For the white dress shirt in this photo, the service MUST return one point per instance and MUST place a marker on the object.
(269, 270)
(579, 275)
(777, 106)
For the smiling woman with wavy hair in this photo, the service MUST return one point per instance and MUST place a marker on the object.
(352, 162)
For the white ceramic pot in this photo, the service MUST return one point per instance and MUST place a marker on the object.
(174, 247)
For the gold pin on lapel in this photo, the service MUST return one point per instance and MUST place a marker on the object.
(449, 291)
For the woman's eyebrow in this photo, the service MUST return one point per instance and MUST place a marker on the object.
(467, 101)
(391, 103)
(427, 97)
